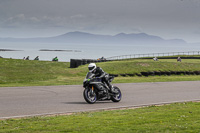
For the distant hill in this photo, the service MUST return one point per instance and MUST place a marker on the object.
(82, 37)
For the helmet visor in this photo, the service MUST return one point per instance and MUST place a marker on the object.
(91, 68)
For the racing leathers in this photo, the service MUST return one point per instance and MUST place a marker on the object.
(105, 77)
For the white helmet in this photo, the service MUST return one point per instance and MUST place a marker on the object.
(91, 67)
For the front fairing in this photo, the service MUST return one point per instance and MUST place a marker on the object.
(88, 77)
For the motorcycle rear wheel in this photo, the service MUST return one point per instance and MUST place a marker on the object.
(89, 96)
(118, 96)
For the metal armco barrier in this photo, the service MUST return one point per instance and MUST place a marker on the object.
(131, 56)
(74, 63)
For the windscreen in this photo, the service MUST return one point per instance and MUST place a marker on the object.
(89, 75)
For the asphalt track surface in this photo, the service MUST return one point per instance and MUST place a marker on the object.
(46, 100)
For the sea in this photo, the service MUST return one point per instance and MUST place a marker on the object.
(66, 51)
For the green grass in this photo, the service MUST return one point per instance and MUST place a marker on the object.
(170, 56)
(28, 73)
(33, 73)
(177, 117)
(139, 65)
(156, 79)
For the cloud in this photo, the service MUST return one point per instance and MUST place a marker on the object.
(159, 17)
(47, 21)
(14, 21)
(21, 21)
(5, 1)
(197, 31)
(78, 16)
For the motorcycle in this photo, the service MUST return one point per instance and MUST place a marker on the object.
(96, 90)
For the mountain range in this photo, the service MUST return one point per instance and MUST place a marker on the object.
(87, 38)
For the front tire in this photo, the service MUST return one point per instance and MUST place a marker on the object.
(89, 96)
(117, 97)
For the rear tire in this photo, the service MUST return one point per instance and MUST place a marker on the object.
(89, 98)
(117, 97)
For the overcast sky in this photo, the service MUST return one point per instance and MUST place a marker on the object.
(43, 18)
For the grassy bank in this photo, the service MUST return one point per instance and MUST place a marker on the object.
(178, 117)
(30, 73)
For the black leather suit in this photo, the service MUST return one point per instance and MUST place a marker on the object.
(105, 77)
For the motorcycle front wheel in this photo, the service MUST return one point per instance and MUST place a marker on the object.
(89, 96)
(117, 97)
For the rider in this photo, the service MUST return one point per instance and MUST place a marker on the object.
(55, 59)
(101, 74)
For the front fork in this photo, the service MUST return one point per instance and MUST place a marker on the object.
(92, 91)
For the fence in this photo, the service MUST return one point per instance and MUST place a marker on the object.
(121, 57)
(78, 62)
